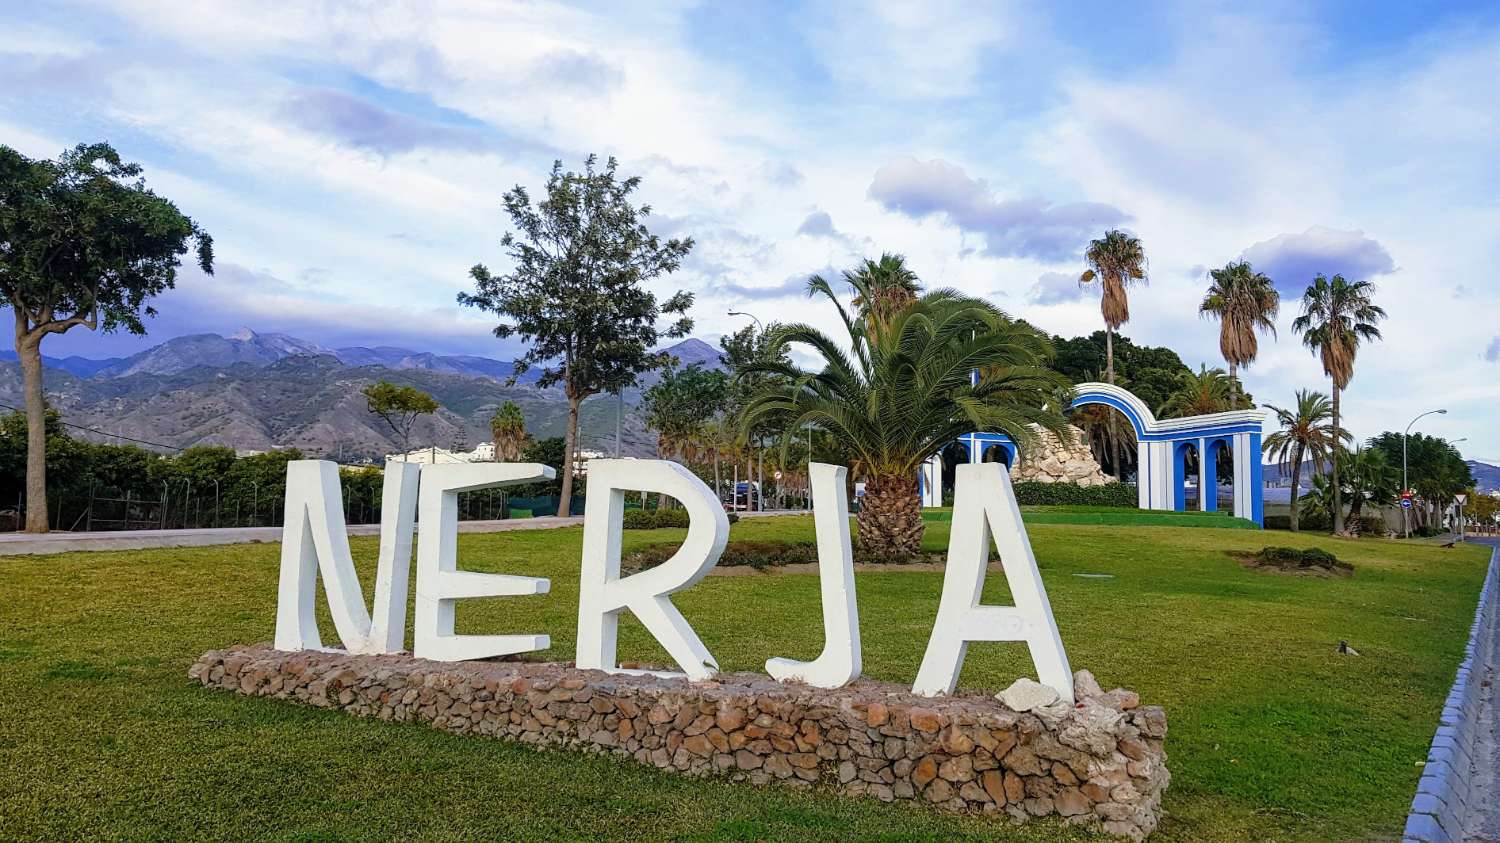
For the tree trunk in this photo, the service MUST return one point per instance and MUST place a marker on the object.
(1234, 388)
(890, 518)
(570, 454)
(29, 353)
(1296, 481)
(1338, 500)
(1109, 354)
(718, 483)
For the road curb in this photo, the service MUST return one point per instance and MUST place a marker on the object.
(1440, 811)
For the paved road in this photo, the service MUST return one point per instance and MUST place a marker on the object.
(1484, 813)
(16, 544)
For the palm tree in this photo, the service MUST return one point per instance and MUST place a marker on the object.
(1198, 394)
(1116, 261)
(1337, 316)
(905, 390)
(1244, 301)
(1368, 476)
(882, 289)
(1306, 433)
(508, 430)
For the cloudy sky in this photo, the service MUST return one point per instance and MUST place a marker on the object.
(349, 158)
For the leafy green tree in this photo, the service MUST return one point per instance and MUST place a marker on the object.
(1337, 316)
(83, 241)
(1435, 468)
(1306, 433)
(399, 407)
(681, 405)
(903, 392)
(575, 293)
(1197, 394)
(1245, 302)
(508, 430)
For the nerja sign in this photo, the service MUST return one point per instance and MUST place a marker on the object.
(314, 543)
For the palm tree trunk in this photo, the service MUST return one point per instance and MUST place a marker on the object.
(1109, 354)
(1234, 388)
(718, 483)
(1296, 481)
(29, 352)
(1338, 503)
(890, 518)
(570, 453)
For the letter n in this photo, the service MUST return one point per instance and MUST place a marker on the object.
(984, 501)
(314, 540)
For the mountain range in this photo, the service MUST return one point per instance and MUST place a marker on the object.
(256, 391)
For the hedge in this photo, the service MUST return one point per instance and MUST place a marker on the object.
(653, 519)
(1038, 493)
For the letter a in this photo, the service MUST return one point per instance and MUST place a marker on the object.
(314, 539)
(984, 500)
(839, 663)
(603, 594)
(439, 582)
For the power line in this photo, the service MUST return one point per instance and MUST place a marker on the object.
(102, 432)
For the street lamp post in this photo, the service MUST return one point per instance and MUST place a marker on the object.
(1405, 484)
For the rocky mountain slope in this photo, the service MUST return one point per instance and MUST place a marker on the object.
(255, 391)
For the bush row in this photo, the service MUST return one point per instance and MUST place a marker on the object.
(1037, 493)
(1369, 525)
(651, 519)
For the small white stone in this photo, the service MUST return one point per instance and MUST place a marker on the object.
(1025, 695)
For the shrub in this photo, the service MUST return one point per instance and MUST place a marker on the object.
(733, 518)
(1316, 520)
(1291, 558)
(639, 519)
(671, 518)
(1037, 493)
(1372, 525)
(754, 554)
(1279, 522)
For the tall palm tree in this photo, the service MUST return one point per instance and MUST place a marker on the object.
(1245, 302)
(1306, 434)
(905, 390)
(882, 288)
(1116, 261)
(1337, 316)
(1198, 394)
(508, 430)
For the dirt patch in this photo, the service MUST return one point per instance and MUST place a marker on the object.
(1297, 564)
(859, 568)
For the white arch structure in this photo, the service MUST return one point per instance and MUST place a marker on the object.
(1162, 447)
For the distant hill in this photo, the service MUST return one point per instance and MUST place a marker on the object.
(1486, 476)
(256, 391)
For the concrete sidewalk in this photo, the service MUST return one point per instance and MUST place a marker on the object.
(20, 544)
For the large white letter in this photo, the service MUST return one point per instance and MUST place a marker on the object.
(839, 663)
(439, 582)
(314, 539)
(602, 594)
(984, 499)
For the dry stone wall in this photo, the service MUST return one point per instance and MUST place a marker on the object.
(1051, 460)
(1100, 762)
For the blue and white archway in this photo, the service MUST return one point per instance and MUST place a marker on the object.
(1162, 448)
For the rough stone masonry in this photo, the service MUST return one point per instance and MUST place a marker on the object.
(1100, 762)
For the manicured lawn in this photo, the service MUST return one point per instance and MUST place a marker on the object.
(1273, 735)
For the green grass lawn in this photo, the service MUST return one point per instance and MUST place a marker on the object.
(1273, 735)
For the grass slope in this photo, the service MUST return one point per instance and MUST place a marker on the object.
(1273, 736)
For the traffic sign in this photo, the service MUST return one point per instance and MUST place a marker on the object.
(1461, 498)
(1405, 502)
